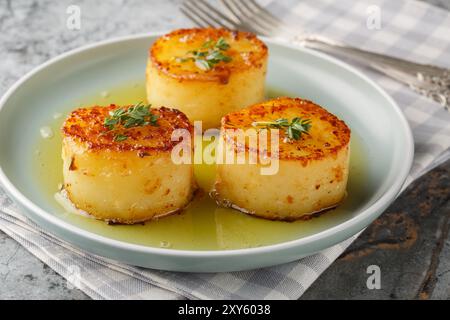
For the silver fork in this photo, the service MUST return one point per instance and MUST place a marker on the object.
(428, 80)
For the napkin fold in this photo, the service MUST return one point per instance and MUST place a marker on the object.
(409, 29)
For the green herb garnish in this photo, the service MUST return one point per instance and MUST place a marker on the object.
(120, 137)
(294, 129)
(210, 54)
(136, 116)
(222, 44)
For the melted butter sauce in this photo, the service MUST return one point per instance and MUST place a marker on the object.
(203, 225)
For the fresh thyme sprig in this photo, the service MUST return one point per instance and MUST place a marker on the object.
(210, 54)
(138, 115)
(294, 129)
(120, 137)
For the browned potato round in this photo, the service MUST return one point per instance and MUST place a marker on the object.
(206, 73)
(125, 181)
(312, 171)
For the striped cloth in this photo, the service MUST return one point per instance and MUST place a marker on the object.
(409, 29)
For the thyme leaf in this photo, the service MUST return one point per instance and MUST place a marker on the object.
(138, 115)
(209, 55)
(294, 128)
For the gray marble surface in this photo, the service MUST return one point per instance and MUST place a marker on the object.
(31, 32)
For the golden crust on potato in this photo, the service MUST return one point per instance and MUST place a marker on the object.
(326, 137)
(206, 73)
(125, 181)
(311, 174)
(246, 51)
(86, 125)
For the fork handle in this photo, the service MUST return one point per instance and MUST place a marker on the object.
(427, 80)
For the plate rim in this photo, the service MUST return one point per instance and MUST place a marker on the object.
(379, 204)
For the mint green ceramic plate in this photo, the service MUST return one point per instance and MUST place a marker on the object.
(59, 85)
